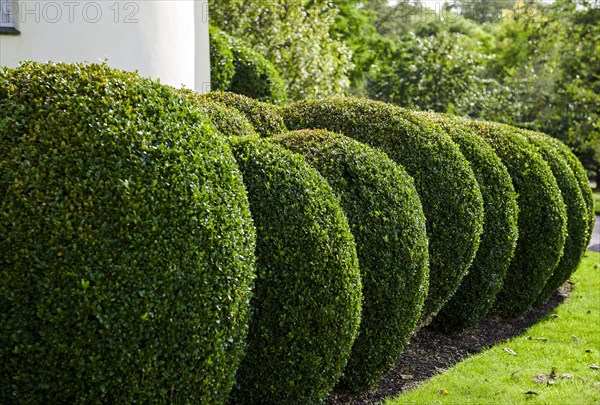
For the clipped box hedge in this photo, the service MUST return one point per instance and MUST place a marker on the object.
(264, 117)
(447, 187)
(126, 241)
(222, 68)
(253, 75)
(388, 224)
(307, 295)
(227, 121)
(577, 216)
(581, 177)
(479, 288)
(542, 218)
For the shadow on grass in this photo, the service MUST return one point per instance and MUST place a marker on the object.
(431, 352)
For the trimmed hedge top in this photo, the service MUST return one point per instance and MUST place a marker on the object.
(228, 121)
(126, 239)
(265, 118)
(479, 288)
(387, 221)
(577, 217)
(447, 187)
(307, 296)
(542, 217)
(253, 75)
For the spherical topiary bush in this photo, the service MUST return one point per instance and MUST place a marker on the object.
(307, 296)
(222, 68)
(126, 242)
(577, 217)
(228, 121)
(581, 177)
(264, 117)
(253, 75)
(478, 289)
(387, 221)
(542, 218)
(446, 184)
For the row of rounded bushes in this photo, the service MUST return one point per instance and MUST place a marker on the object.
(164, 246)
(485, 277)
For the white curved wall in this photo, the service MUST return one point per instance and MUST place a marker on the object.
(155, 37)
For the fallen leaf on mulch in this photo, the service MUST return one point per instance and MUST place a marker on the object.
(407, 376)
(510, 351)
(595, 367)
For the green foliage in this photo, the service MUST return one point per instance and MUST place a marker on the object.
(548, 55)
(483, 11)
(479, 288)
(265, 118)
(222, 68)
(392, 19)
(253, 75)
(307, 295)
(437, 72)
(294, 36)
(577, 213)
(228, 121)
(446, 184)
(355, 25)
(582, 180)
(387, 221)
(536, 67)
(126, 239)
(575, 116)
(542, 218)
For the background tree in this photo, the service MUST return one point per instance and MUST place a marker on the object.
(528, 64)
(481, 10)
(548, 56)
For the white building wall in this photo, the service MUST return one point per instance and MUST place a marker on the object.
(155, 37)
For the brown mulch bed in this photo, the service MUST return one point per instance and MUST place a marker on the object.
(430, 352)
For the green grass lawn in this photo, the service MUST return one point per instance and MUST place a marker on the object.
(554, 362)
(597, 202)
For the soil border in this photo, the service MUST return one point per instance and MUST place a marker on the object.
(431, 352)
